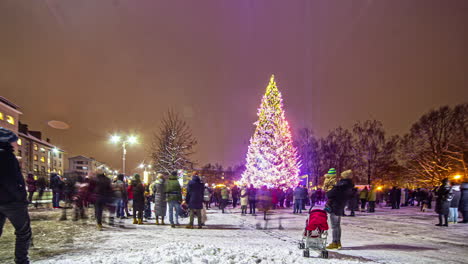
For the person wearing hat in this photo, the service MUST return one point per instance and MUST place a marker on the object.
(337, 199)
(13, 197)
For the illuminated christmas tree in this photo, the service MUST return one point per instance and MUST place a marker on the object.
(272, 159)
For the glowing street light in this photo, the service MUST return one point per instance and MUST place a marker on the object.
(130, 140)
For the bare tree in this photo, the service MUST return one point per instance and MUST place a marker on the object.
(374, 153)
(337, 150)
(437, 145)
(309, 150)
(173, 146)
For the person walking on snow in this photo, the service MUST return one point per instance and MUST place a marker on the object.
(13, 200)
(138, 191)
(174, 198)
(444, 195)
(31, 183)
(224, 198)
(337, 198)
(195, 191)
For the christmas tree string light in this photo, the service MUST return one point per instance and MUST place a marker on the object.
(272, 159)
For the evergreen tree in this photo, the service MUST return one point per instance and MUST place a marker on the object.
(271, 158)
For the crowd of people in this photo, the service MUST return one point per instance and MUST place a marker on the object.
(125, 197)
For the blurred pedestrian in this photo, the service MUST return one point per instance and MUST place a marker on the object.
(224, 198)
(103, 194)
(32, 186)
(79, 199)
(41, 186)
(118, 186)
(56, 184)
(264, 198)
(299, 195)
(207, 196)
(464, 202)
(13, 200)
(235, 195)
(371, 198)
(244, 199)
(363, 198)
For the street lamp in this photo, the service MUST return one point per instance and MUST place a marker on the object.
(129, 140)
(145, 172)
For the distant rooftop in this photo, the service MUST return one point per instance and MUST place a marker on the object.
(9, 103)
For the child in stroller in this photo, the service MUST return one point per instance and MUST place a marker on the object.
(315, 233)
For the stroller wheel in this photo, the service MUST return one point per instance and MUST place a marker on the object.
(301, 245)
(306, 253)
(324, 254)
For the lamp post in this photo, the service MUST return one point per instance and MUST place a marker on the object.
(145, 172)
(129, 140)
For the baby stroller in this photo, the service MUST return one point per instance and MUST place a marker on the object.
(315, 233)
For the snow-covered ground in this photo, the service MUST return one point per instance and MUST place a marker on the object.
(388, 236)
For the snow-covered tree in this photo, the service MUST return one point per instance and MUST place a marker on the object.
(173, 145)
(272, 159)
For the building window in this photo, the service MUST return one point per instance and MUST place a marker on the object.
(55, 163)
(60, 172)
(1, 116)
(36, 168)
(36, 147)
(42, 159)
(48, 170)
(35, 157)
(60, 155)
(85, 168)
(43, 169)
(10, 119)
(20, 142)
(60, 164)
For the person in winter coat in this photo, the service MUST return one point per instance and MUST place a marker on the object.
(104, 198)
(464, 202)
(32, 184)
(353, 202)
(41, 184)
(195, 191)
(244, 199)
(337, 198)
(300, 194)
(160, 202)
(444, 195)
(174, 197)
(289, 197)
(118, 186)
(252, 199)
(453, 211)
(138, 191)
(224, 198)
(281, 197)
(235, 195)
(394, 197)
(13, 201)
(363, 198)
(403, 197)
(207, 196)
(79, 199)
(56, 184)
(371, 198)
(264, 197)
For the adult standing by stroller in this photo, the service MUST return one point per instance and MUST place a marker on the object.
(13, 201)
(464, 202)
(195, 190)
(337, 198)
(174, 198)
(32, 184)
(160, 202)
(444, 195)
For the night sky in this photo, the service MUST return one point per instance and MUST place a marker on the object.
(108, 66)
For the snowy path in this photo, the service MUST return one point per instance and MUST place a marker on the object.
(390, 236)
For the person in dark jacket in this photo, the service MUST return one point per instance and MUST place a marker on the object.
(13, 201)
(444, 197)
(138, 191)
(453, 213)
(464, 202)
(337, 198)
(32, 186)
(353, 202)
(252, 199)
(235, 195)
(104, 198)
(194, 199)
